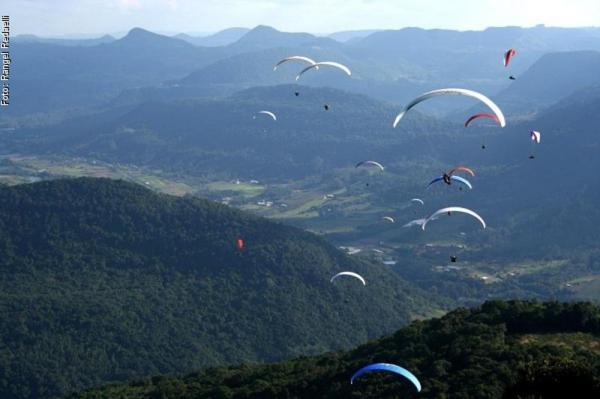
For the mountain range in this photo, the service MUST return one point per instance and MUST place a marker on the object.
(105, 281)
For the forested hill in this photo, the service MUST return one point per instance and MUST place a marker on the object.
(104, 281)
(500, 350)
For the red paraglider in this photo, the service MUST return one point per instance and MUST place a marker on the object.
(240, 244)
(508, 56)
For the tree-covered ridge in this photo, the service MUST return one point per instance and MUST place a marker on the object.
(516, 349)
(106, 281)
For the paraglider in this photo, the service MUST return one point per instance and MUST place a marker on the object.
(389, 219)
(510, 53)
(535, 136)
(453, 259)
(326, 106)
(392, 368)
(461, 169)
(481, 115)
(296, 93)
(295, 58)
(449, 211)
(418, 200)
(326, 63)
(272, 115)
(450, 179)
(416, 222)
(370, 163)
(350, 274)
(453, 91)
(511, 77)
(240, 244)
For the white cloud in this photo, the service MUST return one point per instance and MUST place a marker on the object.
(321, 16)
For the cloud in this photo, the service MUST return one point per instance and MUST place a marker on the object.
(317, 16)
(129, 4)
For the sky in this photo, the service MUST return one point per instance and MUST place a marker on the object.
(56, 18)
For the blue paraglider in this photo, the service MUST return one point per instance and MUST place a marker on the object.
(388, 367)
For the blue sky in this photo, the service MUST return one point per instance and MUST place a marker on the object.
(94, 17)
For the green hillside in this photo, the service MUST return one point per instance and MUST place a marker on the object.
(500, 350)
(106, 281)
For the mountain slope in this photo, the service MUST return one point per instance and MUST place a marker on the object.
(221, 38)
(64, 42)
(78, 76)
(105, 281)
(264, 37)
(501, 350)
(227, 136)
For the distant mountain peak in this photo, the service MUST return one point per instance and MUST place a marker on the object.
(263, 28)
(135, 33)
(140, 36)
(263, 36)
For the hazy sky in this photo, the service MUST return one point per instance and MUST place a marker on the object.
(64, 17)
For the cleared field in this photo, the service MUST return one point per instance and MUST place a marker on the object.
(245, 189)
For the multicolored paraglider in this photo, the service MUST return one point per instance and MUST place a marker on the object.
(481, 115)
(392, 368)
(461, 169)
(350, 274)
(448, 179)
(453, 91)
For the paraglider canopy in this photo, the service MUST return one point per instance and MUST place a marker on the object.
(349, 274)
(420, 201)
(326, 107)
(392, 368)
(535, 136)
(481, 115)
(370, 163)
(337, 65)
(295, 58)
(453, 91)
(451, 178)
(508, 55)
(449, 211)
(240, 244)
(389, 219)
(416, 222)
(461, 169)
(269, 113)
